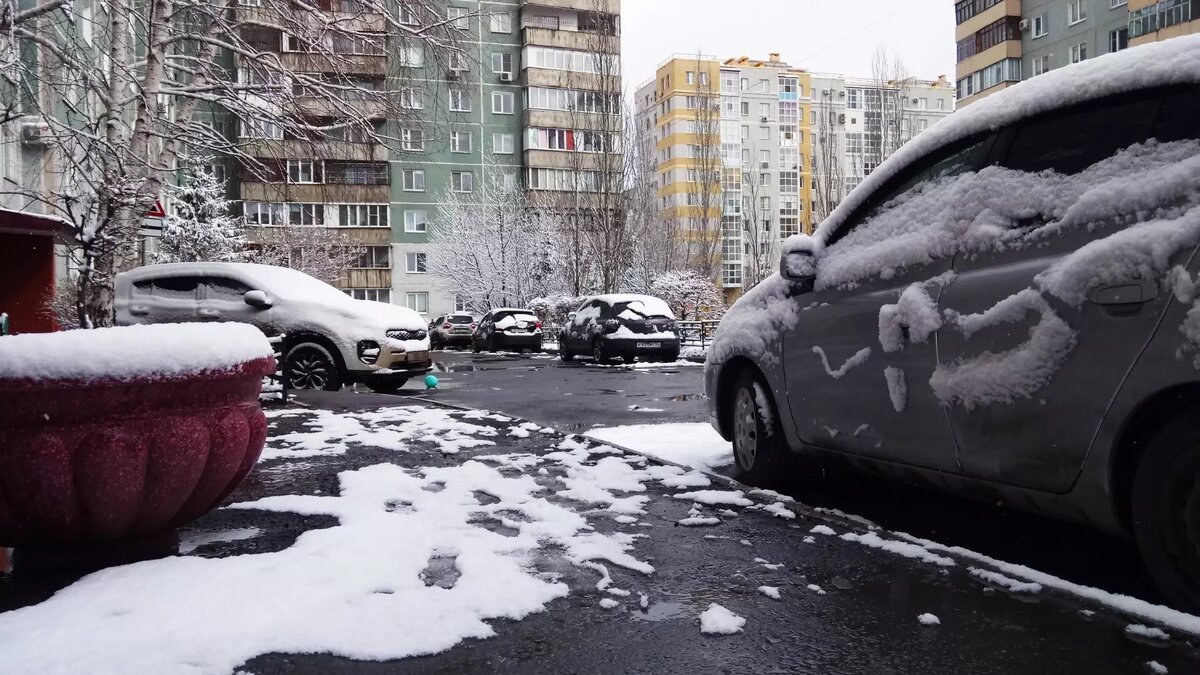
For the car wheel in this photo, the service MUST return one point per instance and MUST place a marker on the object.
(474, 345)
(311, 366)
(491, 343)
(564, 351)
(599, 355)
(390, 387)
(670, 357)
(1165, 510)
(759, 448)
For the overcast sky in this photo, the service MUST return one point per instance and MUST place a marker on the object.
(834, 36)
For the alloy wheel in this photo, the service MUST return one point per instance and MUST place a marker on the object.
(309, 370)
(745, 428)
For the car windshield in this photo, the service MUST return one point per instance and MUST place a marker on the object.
(636, 311)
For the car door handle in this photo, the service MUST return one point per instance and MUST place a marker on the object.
(210, 314)
(139, 310)
(1135, 293)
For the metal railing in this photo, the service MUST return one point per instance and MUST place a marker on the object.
(696, 333)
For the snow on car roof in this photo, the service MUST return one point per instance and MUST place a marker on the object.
(652, 305)
(502, 310)
(1174, 61)
(278, 281)
(130, 352)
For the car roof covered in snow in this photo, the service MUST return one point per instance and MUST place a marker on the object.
(278, 281)
(652, 304)
(1174, 61)
(511, 310)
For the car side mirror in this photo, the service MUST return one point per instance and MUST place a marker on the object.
(571, 316)
(799, 259)
(258, 299)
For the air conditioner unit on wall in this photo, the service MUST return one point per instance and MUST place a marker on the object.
(765, 119)
(506, 77)
(36, 133)
(1024, 25)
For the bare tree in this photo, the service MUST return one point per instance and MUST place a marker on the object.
(319, 252)
(760, 237)
(122, 93)
(828, 168)
(898, 121)
(655, 244)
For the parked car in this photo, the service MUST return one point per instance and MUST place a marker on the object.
(607, 327)
(508, 329)
(331, 339)
(1005, 309)
(452, 330)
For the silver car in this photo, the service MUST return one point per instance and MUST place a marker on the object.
(1007, 309)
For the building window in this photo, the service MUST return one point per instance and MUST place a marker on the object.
(1079, 52)
(264, 213)
(304, 171)
(501, 22)
(412, 140)
(458, 18)
(411, 56)
(502, 144)
(410, 99)
(1118, 39)
(745, 108)
(418, 302)
(372, 294)
(414, 263)
(571, 61)
(703, 79)
(416, 221)
(1041, 26)
(502, 62)
(1113, 4)
(462, 181)
(408, 17)
(414, 180)
(764, 156)
(502, 102)
(374, 258)
(363, 215)
(1041, 65)
(458, 63)
(690, 77)
(965, 9)
(764, 179)
(306, 215)
(460, 303)
(764, 110)
(460, 100)
(764, 133)
(1076, 12)
(460, 141)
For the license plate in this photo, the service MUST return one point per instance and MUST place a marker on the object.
(417, 356)
(649, 345)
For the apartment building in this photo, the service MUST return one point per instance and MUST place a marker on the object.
(1001, 42)
(537, 97)
(737, 140)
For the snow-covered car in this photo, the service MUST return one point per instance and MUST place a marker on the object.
(607, 327)
(331, 339)
(1007, 309)
(452, 330)
(508, 328)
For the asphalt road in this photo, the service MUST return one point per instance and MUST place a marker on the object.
(577, 396)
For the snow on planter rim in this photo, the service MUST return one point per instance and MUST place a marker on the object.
(131, 352)
(1175, 61)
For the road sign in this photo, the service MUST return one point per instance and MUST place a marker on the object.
(157, 211)
(151, 227)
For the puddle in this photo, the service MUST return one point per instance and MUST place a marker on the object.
(610, 391)
(228, 536)
(686, 397)
(663, 611)
(441, 572)
(439, 367)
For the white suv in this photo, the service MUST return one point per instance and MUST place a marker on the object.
(331, 339)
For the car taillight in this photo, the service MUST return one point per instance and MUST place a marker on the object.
(446, 326)
(537, 325)
(474, 326)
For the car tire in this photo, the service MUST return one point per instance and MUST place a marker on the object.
(599, 354)
(670, 357)
(564, 351)
(1165, 511)
(760, 450)
(491, 343)
(387, 387)
(309, 365)
(475, 345)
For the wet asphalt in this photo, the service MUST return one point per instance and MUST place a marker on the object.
(864, 623)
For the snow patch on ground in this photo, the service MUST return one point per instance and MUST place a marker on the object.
(1156, 667)
(928, 619)
(328, 433)
(1007, 583)
(609, 603)
(901, 548)
(717, 620)
(779, 510)
(697, 445)
(716, 497)
(1149, 632)
(816, 589)
(769, 591)
(823, 529)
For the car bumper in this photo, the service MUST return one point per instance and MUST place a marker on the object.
(396, 366)
(640, 347)
(522, 341)
(459, 339)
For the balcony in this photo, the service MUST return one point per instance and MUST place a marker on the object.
(606, 6)
(324, 194)
(558, 119)
(345, 21)
(562, 39)
(327, 150)
(316, 106)
(562, 79)
(346, 64)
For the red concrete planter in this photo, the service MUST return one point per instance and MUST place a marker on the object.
(111, 459)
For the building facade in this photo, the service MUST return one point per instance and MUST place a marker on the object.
(739, 147)
(539, 83)
(1001, 42)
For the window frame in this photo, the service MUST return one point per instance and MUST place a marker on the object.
(416, 262)
(415, 174)
(411, 225)
(504, 96)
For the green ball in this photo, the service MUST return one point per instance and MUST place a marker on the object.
(431, 382)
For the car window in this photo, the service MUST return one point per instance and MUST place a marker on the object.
(1179, 118)
(1070, 141)
(954, 160)
(143, 287)
(177, 288)
(227, 290)
(460, 319)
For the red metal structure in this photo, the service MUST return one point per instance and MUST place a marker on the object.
(27, 269)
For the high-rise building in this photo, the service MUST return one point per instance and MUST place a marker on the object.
(764, 149)
(1001, 42)
(541, 79)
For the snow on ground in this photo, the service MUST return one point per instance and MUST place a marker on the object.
(716, 497)
(697, 445)
(717, 620)
(1156, 667)
(928, 619)
(902, 548)
(769, 591)
(1009, 584)
(816, 589)
(328, 433)
(1149, 632)
(823, 529)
